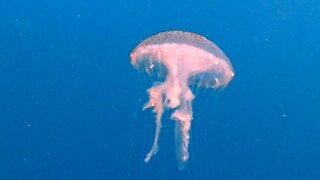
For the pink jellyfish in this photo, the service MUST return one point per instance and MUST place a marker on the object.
(188, 59)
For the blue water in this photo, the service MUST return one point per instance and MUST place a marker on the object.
(70, 102)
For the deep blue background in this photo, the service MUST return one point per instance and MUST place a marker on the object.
(70, 102)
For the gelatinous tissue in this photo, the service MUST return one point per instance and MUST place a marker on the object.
(188, 59)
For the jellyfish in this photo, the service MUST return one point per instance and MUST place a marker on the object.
(185, 59)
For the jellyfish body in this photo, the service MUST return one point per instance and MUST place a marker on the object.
(188, 58)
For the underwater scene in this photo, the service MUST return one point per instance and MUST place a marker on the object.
(152, 89)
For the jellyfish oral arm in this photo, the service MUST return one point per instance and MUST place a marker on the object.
(183, 117)
(182, 137)
(155, 100)
(176, 96)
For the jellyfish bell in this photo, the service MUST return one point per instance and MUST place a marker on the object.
(185, 58)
